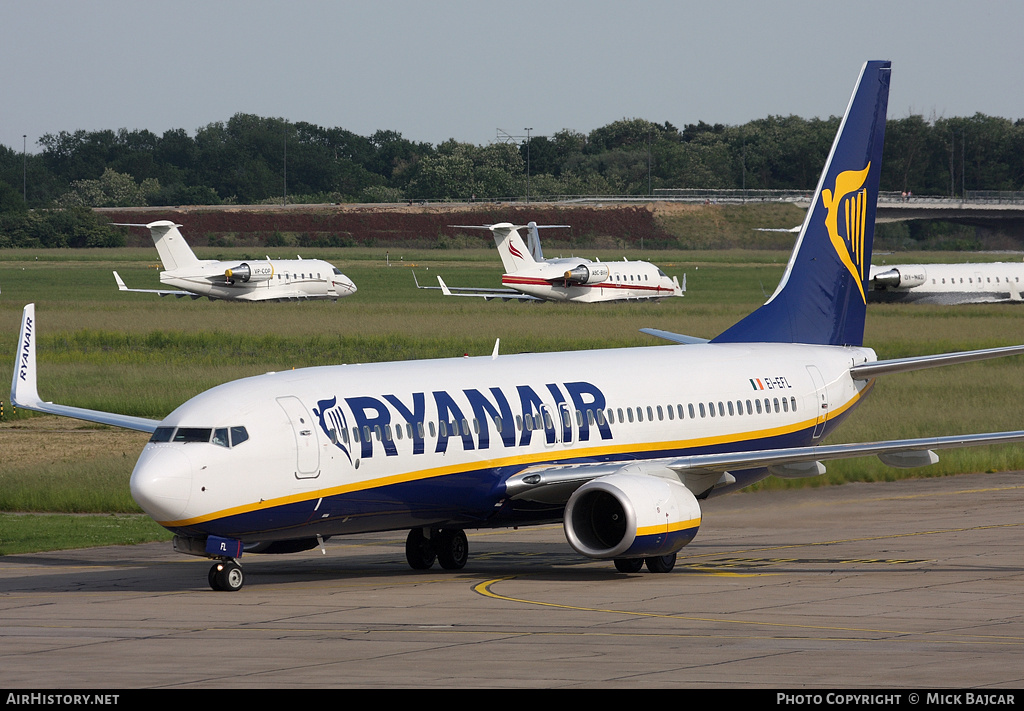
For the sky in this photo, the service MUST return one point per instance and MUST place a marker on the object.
(475, 70)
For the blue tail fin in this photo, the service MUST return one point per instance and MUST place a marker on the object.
(821, 298)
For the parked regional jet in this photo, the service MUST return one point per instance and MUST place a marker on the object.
(238, 280)
(621, 445)
(948, 283)
(531, 277)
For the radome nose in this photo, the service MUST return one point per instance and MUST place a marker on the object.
(343, 285)
(161, 482)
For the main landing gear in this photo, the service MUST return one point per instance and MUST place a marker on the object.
(448, 546)
(226, 575)
(655, 564)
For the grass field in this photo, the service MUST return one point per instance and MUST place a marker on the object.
(143, 355)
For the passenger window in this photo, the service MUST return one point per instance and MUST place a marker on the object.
(758, 404)
(731, 413)
(689, 406)
(639, 414)
(776, 405)
(701, 405)
(432, 432)
(792, 404)
(671, 412)
(650, 414)
(629, 413)
(785, 405)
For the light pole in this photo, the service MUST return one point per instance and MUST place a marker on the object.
(528, 165)
(24, 170)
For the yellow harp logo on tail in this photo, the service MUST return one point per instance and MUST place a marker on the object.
(849, 200)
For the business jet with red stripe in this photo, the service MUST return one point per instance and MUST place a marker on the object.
(238, 279)
(620, 445)
(530, 277)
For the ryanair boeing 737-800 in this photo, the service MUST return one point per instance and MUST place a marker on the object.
(620, 445)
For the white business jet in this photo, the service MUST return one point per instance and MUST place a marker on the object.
(248, 280)
(530, 277)
(621, 445)
(980, 283)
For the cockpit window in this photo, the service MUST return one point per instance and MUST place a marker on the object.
(336, 270)
(192, 434)
(221, 436)
(162, 434)
(238, 435)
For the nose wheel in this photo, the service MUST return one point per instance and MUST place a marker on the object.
(227, 576)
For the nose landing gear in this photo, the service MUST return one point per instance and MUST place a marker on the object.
(227, 576)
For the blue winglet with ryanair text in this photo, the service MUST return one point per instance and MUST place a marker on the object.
(821, 298)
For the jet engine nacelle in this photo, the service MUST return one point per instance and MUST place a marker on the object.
(625, 515)
(901, 278)
(246, 272)
(587, 274)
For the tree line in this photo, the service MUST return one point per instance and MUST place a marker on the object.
(251, 159)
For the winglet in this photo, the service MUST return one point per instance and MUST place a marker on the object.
(25, 391)
(120, 282)
(23, 384)
(444, 287)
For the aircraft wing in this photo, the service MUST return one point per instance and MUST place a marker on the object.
(163, 292)
(674, 337)
(553, 484)
(701, 473)
(25, 393)
(480, 292)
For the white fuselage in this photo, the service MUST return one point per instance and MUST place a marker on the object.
(625, 281)
(284, 280)
(349, 448)
(948, 283)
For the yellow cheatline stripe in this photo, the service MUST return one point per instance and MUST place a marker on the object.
(670, 528)
(535, 458)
